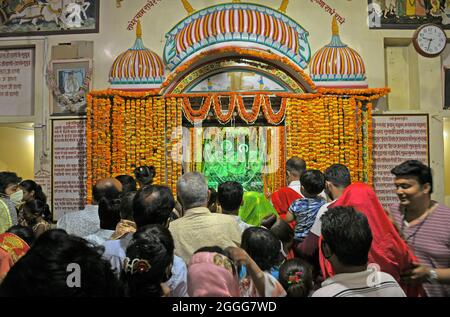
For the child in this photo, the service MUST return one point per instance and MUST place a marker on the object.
(296, 278)
(35, 214)
(304, 210)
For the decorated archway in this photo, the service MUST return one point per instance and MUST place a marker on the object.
(233, 102)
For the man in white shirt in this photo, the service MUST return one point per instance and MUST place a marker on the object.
(86, 222)
(346, 241)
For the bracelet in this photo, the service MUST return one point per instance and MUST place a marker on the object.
(433, 277)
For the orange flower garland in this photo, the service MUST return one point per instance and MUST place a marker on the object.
(251, 117)
(196, 115)
(125, 129)
(218, 111)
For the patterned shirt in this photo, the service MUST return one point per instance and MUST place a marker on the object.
(80, 223)
(361, 284)
(305, 211)
(430, 242)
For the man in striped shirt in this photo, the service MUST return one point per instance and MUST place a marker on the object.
(425, 225)
(346, 241)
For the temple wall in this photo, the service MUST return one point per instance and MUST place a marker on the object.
(419, 91)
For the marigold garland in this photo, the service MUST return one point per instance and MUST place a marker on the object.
(125, 129)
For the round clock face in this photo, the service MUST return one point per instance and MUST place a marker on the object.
(430, 40)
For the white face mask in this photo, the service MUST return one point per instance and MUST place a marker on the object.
(16, 197)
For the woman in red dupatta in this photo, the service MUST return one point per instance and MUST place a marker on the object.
(282, 199)
(12, 248)
(388, 250)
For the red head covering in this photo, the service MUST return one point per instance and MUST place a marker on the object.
(282, 199)
(388, 250)
(12, 248)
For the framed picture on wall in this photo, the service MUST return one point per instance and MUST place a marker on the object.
(69, 82)
(407, 14)
(33, 17)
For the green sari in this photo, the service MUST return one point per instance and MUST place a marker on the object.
(5, 217)
(256, 207)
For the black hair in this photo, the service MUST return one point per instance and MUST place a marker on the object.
(126, 205)
(313, 182)
(416, 169)
(30, 185)
(212, 249)
(153, 204)
(338, 175)
(52, 261)
(154, 244)
(145, 174)
(230, 195)
(128, 183)
(8, 178)
(296, 165)
(212, 198)
(296, 277)
(262, 246)
(109, 209)
(347, 233)
(25, 233)
(282, 231)
(38, 208)
(109, 213)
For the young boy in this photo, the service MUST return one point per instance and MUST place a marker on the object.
(304, 210)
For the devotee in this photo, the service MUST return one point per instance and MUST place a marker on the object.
(337, 179)
(144, 175)
(256, 207)
(296, 278)
(230, 197)
(346, 242)
(85, 222)
(128, 183)
(151, 205)
(109, 215)
(260, 254)
(212, 274)
(49, 269)
(199, 227)
(425, 226)
(32, 191)
(283, 198)
(12, 248)
(34, 213)
(126, 224)
(388, 249)
(10, 197)
(149, 261)
(304, 210)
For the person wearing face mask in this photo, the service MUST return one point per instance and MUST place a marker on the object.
(32, 191)
(10, 197)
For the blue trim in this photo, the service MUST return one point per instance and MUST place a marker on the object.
(174, 60)
(336, 42)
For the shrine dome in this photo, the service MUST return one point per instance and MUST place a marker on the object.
(338, 66)
(137, 68)
(245, 25)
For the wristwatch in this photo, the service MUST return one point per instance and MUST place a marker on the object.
(433, 277)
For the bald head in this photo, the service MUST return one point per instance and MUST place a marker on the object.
(295, 167)
(109, 188)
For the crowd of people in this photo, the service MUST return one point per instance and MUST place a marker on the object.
(320, 236)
